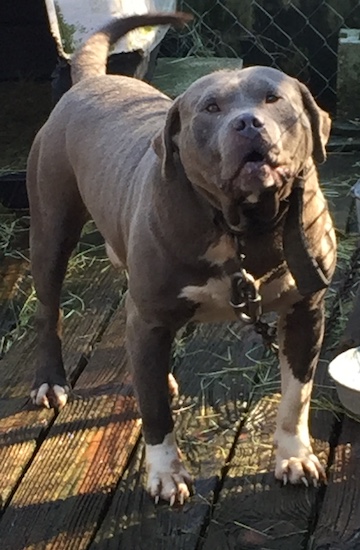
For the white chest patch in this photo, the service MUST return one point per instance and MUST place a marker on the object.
(221, 251)
(213, 299)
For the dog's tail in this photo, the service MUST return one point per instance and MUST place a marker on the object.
(90, 59)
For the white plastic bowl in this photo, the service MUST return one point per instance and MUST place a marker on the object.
(345, 371)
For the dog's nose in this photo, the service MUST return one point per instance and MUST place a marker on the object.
(248, 124)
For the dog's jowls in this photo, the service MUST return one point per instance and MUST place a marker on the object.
(154, 175)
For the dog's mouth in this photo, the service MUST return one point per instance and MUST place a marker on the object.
(257, 186)
(257, 171)
(262, 179)
(260, 158)
(254, 156)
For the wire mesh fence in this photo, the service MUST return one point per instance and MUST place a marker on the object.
(299, 37)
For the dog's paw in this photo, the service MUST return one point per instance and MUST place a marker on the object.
(50, 396)
(172, 486)
(296, 463)
(168, 479)
(307, 470)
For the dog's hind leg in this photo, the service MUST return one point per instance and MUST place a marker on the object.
(57, 217)
(300, 337)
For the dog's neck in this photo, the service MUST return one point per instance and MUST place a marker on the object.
(242, 219)
(271, 214)
(308, 274)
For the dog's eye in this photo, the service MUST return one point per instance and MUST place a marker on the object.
(212, 108)
(271, 98)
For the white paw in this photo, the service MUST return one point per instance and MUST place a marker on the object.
(50, 396)
(296, 463)
(167, 476)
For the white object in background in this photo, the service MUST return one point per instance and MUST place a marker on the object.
(71, 22)
(345, 371)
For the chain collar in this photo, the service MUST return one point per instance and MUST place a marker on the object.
(245, 298)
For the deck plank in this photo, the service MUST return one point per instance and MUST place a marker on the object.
(61, 497)
(14, 281)
(21, 426)
(214, 376)
(254, 510)
(338, 527)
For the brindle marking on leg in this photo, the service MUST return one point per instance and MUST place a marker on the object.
(310, 322)
(300, 335)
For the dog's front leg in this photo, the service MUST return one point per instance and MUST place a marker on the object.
(300, 336)
(149, 346)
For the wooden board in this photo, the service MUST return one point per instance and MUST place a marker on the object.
(22, 428)
(338, 526)
(254, 510)
(215, 380)
(14, 281)
(62, 495)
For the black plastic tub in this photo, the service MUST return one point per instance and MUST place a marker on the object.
(13, 190)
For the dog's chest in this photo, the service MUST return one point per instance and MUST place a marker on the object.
(213, 297)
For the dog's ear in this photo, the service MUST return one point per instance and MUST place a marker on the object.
(165, 143)
(320, 124)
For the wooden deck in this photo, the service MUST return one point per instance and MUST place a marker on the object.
(75, 480)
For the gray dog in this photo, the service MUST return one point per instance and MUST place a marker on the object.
(213, 206)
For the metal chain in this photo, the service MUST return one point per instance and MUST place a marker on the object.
(246, 300)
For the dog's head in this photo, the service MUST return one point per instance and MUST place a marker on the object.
(240, 134)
